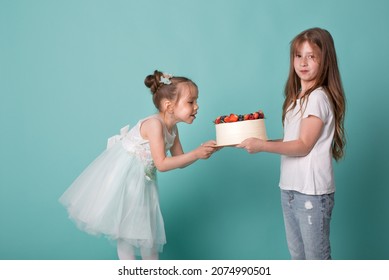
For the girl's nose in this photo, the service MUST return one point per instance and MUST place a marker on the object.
(303, 61)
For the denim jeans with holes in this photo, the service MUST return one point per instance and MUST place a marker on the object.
(307, 224)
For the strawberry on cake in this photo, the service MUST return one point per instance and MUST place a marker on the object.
(233, 129)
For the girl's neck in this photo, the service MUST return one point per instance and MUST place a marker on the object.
(300, 93)
(304, 88)
(168, 120)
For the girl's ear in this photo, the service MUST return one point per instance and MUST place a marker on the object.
(167, 106)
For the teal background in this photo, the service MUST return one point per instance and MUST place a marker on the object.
(71, 75)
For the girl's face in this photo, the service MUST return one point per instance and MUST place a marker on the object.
(306, 64)
(185, 109)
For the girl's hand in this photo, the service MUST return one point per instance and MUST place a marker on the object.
(252, 145)
(207, 149)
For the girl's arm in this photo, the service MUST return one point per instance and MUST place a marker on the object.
(176, 149)
(310, 130)
(152, 130)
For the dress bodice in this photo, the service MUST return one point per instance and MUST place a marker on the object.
(134, 143)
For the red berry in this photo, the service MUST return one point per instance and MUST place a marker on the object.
(233, 117)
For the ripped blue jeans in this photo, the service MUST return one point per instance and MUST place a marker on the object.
(307, 224)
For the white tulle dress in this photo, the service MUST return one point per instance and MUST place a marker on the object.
(117, 194)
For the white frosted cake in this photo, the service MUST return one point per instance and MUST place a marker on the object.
(233, 129)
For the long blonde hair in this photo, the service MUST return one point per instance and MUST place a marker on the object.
(328, 78)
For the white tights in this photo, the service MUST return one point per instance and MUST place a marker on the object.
(126, 252)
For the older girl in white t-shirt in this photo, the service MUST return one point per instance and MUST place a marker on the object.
(313, 119)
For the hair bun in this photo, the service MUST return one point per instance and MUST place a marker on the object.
(152, 81)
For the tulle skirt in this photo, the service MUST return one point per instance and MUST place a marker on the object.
(114, 197)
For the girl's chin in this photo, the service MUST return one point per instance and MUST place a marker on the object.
(191, 119)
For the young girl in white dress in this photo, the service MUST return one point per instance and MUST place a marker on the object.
(117, 194)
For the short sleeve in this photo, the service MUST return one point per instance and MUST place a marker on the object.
(318, 105)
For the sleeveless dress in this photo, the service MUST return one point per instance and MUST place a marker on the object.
(117, 194)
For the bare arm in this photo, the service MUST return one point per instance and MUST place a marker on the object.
(152, 130)
(310, 130)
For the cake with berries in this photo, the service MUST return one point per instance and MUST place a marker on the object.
(233, 129)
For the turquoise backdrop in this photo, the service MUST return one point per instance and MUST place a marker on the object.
(71, 75)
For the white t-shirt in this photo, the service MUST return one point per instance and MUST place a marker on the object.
(313, 173)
